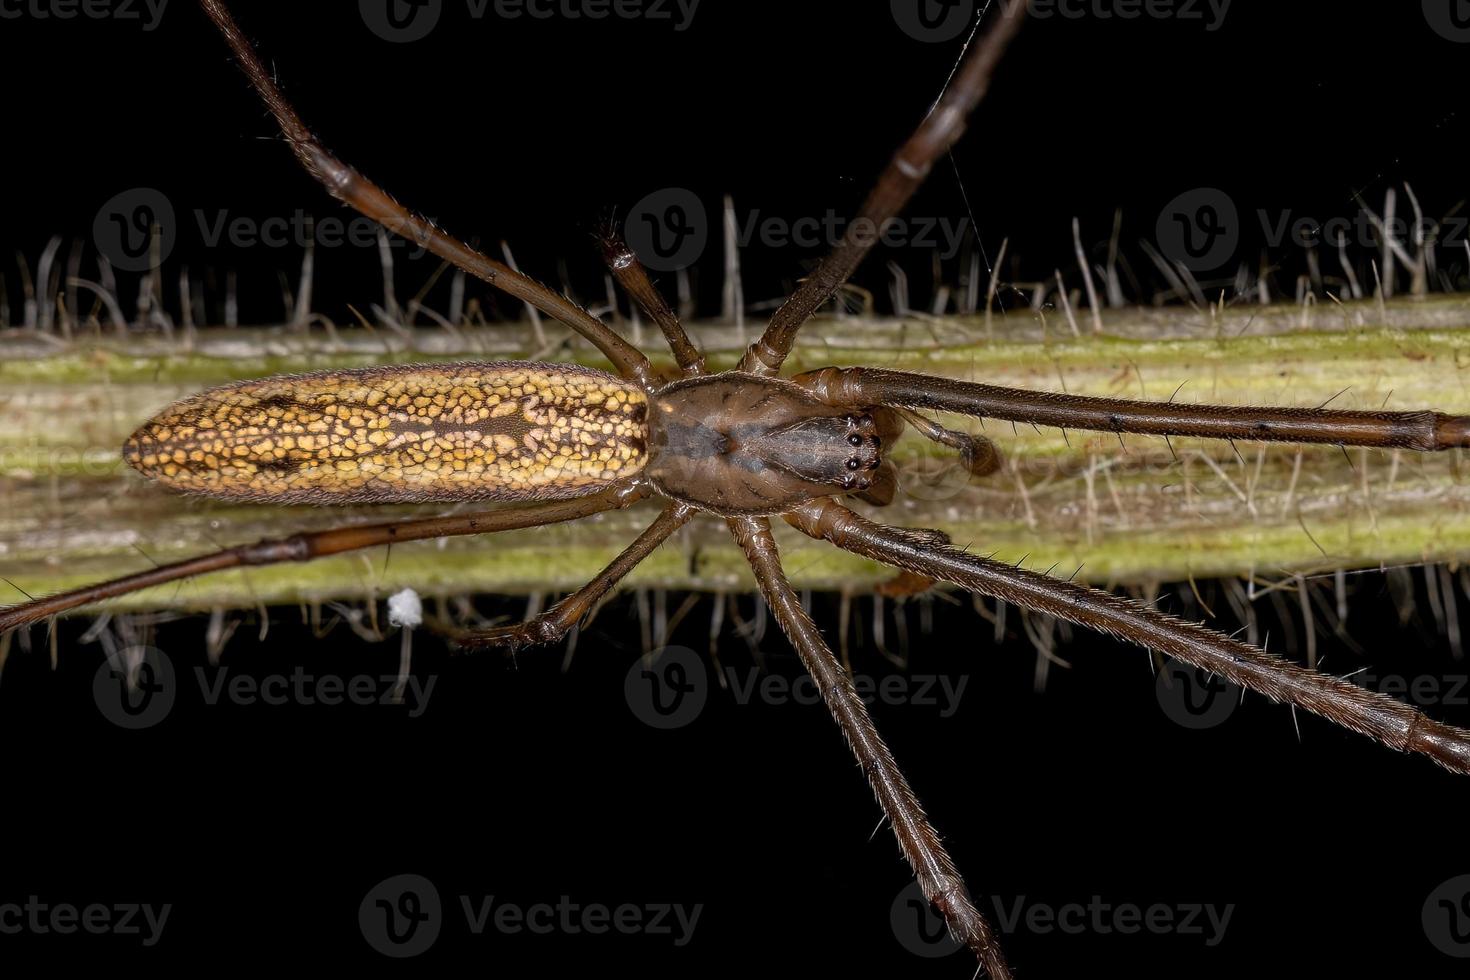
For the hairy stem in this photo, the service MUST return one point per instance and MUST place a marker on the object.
(72, 513)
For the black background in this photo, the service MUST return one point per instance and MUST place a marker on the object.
(265, 826)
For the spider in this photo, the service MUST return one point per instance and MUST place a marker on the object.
(560, 442)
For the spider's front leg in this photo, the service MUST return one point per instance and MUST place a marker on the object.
(980, 455)
(553, 624)
(1421, 431)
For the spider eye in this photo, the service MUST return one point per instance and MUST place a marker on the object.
(854, 440)
(853, 464)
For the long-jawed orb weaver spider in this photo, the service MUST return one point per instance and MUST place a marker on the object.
(745, 446)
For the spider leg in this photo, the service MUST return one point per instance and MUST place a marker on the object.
(1423, 431)
(317, 544)
(920, 843)
(361, 194)
(884, 486)
(634, 279)
(553, 624)
(939, 131)
(981, 456)
(1391, 722)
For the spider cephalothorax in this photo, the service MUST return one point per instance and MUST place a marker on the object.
(738, 443)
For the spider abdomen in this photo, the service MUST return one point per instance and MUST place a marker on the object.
(505, 430)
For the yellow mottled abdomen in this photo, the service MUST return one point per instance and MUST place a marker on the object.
(505, 430)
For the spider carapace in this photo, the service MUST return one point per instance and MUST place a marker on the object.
(731, 443)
